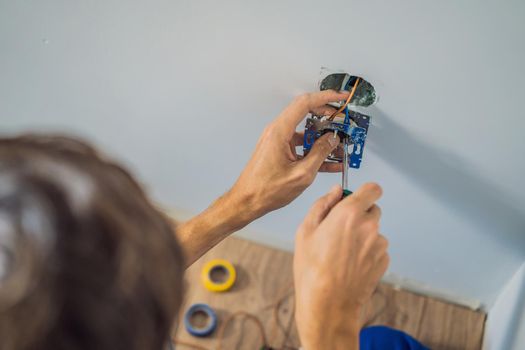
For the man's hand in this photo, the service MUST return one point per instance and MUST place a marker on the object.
(275, 174)
(339, 258)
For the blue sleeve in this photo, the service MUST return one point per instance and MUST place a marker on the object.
(385, 338)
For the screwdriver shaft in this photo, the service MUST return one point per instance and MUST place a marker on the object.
(345, 164)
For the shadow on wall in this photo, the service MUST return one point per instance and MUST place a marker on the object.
(448, 179)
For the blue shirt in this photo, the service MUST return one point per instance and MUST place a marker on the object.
(385, 338)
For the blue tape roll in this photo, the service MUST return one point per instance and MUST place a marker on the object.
(210, 327)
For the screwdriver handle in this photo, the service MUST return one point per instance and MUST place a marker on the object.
(346, 193)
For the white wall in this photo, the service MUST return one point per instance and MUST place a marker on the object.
(180, 90)
(505, 327)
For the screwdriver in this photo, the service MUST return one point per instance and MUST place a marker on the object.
(344, 184)
(346, 191)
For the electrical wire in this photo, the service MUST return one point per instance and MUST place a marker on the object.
(385, 315)
(288, 328)
(190, 345)
(220, 335)
(284, 293)
(347, 100)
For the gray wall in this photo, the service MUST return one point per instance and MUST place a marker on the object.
(180, 91)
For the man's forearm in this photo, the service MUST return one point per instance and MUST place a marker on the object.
(229, 213)
(349, 341)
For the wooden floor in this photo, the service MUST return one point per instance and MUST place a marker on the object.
(264, 288)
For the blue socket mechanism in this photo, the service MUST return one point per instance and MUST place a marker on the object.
(354, 127)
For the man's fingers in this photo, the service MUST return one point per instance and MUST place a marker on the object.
(326, 167)
(366, 196)
(322, 98)
(383, 264)
(323, 110)
(375, 213)
(320, 150)
(382, 244)
(322, 207)
(331, 167)
(302, 105)
(298, 138)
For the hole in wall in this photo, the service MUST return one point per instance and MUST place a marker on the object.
(365, 93)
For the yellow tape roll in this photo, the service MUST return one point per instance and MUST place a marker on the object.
(224, 265)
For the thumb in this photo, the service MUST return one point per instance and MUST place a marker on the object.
(320, 150)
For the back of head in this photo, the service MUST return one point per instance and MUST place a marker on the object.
(86, 261)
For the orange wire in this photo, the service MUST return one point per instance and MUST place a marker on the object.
(347, 100)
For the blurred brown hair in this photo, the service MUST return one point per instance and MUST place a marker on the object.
(86, 261)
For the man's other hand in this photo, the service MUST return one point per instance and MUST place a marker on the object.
(339, 258)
